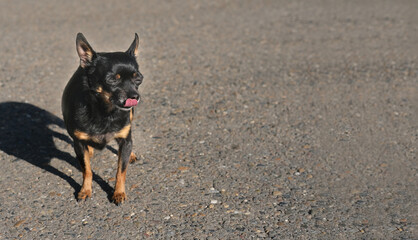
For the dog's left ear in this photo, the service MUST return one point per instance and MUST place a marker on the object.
(133, 49)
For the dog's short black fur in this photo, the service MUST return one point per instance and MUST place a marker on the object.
(95, 109)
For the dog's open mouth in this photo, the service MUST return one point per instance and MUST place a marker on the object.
(130, 102)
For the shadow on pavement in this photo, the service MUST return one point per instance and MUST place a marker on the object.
(25, 134)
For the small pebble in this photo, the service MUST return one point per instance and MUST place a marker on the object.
(19, 223)
(183, 169)
(213, 190)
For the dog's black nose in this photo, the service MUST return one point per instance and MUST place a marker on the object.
(134, 96)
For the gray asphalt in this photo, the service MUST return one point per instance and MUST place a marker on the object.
(259, 120)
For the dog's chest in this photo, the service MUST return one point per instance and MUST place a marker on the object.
(101, 140)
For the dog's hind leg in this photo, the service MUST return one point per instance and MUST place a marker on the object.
(132, 158)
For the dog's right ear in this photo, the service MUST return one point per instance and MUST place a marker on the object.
(84, 50)
(133, 49)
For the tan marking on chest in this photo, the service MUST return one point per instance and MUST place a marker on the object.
(85, 136)
(123, 133)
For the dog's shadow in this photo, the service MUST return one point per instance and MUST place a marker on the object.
(25, 133)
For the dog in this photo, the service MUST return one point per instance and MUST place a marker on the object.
(98, 106)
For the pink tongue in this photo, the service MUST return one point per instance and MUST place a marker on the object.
(130, 102)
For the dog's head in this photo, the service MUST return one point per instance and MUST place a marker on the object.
(113, 76)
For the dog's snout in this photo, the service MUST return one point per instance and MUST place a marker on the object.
(134, 96)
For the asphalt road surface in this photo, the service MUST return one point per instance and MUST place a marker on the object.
(259, 120)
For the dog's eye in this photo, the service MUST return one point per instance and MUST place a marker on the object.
(117, 76)
(135, 75)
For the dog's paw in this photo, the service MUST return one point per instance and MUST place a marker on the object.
(119, 197)
(83, 194)
(132, 158)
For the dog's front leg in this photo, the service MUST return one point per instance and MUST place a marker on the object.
(124, 155)
(84, 153)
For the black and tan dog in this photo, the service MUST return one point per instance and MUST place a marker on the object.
(98, 106)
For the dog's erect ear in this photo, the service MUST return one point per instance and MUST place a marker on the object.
(133, 49)
(84, 50)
